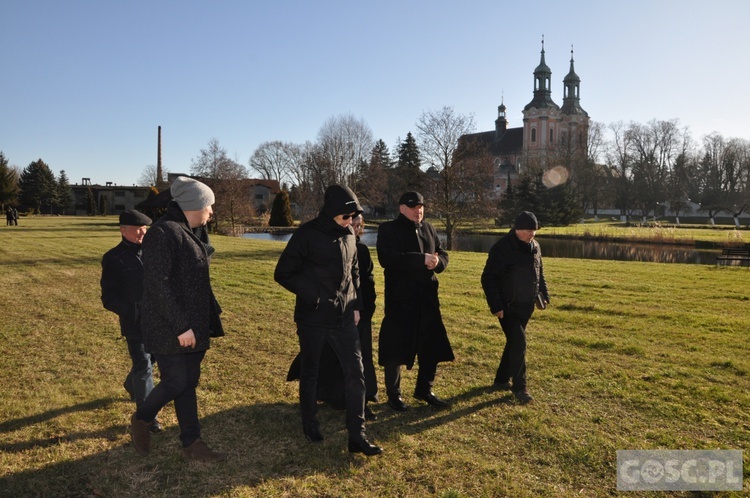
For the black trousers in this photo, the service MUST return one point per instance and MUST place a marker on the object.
(345, 344)
(180, 374)
(513, 361)
(425, 378)
(365, 340)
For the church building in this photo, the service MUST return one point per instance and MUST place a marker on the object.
(549, 132)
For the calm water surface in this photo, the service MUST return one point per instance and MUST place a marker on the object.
(565, 248)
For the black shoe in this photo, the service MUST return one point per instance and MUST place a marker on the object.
(369, 415)
(431, 399)
(397, 404)
(501, 386)
(313, 434)
(523, 396)
(362, 445)
(155, 426)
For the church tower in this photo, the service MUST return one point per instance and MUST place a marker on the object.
(541, 116)
(575, 119)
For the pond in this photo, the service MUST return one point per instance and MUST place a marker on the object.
(565, 248)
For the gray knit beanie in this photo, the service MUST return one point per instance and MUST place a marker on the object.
(191, 194)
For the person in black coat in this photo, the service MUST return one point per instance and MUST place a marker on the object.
(122, 292)
(330, 375)
(513, 283)
(179, 313)
(319, 265)
(410, 253)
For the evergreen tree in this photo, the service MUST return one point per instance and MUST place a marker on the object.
(8, 183)
(64, 194)
(409, 164)
(281, 211)
(91, 202)
(38, 188)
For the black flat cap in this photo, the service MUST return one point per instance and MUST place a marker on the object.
(134, 218)
(412, 199)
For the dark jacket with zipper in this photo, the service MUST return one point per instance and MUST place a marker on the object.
(177, 293)
(513, 274)
(319, 266)
(122, 286)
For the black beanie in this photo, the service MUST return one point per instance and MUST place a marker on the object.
(340, 199)
(526, 221)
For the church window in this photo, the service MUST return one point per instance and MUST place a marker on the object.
(533, 134)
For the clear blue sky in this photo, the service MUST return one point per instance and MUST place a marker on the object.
(86, 83)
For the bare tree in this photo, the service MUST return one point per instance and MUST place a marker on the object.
(460, 176)
(274, 160)
(343, 143)
(149, 176)
(226, 177)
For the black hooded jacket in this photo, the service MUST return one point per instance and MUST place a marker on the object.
(513, 274)
(319, 265)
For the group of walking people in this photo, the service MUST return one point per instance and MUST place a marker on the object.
(171, 314)
(11, 216)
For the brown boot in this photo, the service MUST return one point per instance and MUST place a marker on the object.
(140, 435)
(201, 452)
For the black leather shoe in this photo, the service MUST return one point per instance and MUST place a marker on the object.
(363, 446)
(397, 404)
(523, 397)
(313, 434)
(369, 415)
(155, 426)
(431, 399)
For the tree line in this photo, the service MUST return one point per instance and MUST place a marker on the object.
(639, 169)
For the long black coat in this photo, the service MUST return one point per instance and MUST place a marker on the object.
(122, 286)
(513, 273)
(412, 323)
(177, 293)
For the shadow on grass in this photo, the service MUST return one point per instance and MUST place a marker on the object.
(264, 442)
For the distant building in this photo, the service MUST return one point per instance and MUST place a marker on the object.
(108, 198)
(547, 128)
(262, 192)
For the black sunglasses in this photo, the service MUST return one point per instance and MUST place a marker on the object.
(347, 216)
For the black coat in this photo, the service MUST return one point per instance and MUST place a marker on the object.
(412, 323)
(122, 286)
(319, 266)
(513, 274)
(177, 293)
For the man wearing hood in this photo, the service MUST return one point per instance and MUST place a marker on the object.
(319, 265)
(513, 283)
(410, 253)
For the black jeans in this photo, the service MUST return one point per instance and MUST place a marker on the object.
(513, 361)
(180, 374)
(345, 343)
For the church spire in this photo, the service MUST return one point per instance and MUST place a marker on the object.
(571, 92)
(542, 87)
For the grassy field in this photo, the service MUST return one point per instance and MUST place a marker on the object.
(629, 356)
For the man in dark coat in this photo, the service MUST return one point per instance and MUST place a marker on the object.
(319, 265)
(331, 387)
(513, 283)
(410, 253)
(122, 292)
(179, 313)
